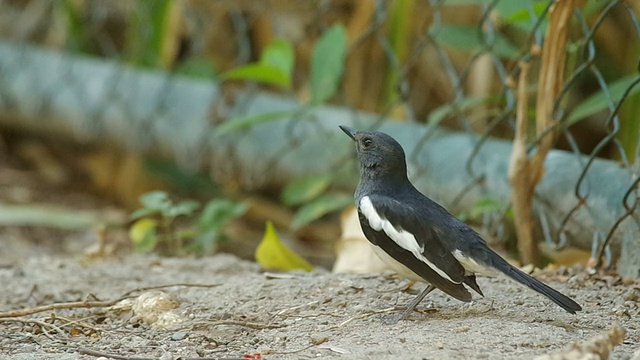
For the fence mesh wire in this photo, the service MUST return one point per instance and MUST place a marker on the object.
(450, 63)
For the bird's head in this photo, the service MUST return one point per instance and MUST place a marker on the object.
(378, 152)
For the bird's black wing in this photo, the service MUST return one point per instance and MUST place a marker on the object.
(470, 245)
(413, 242)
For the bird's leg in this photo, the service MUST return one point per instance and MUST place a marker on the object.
(412, 305)
(416, 301)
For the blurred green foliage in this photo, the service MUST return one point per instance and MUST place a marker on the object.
(150, 36)
(274, 68)
(485, 206)
(155, 227)
(327, 64)
(148, 33)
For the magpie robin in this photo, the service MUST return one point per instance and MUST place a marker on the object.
(419, 238)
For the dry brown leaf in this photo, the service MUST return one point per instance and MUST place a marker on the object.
(599, 347)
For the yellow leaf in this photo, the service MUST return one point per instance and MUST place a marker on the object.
(274, 255)
(140, 229)
(143, 235)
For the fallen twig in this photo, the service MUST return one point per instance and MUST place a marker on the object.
(110, 356)
(95, 353)
(94, 304)
(155, 287)
(362, 316)
(283, 311)
(76, 322)
(250, 325)
(42, 324)
(290, 351)
(308, 316)
(58, 306)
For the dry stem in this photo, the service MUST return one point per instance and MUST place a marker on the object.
(526, 172)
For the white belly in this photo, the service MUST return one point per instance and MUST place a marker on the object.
(396, 266)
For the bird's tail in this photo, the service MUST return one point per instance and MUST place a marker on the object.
(554, 295)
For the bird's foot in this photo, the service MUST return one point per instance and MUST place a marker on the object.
(406, 312)
(393, 319)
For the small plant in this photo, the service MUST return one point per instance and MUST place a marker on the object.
(155, 227)
(215, 216)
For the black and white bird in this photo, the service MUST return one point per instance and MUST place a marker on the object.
(417, 237)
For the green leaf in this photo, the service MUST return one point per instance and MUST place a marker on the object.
(517, 13)
(76, 29)
(148, 33)
(599, 101)
(279, 54)
(305, 189)
(463, 37)
(275, 66)
(485, 205)
(327, 63)
(244, 122)
(158, 202)
(399, 37)
(143, 212)
(466, 2)
(469, 38)
(504, 48)
(263, 73)
(508, 9)
(218, 212)
(155, 200)
(183, 208)
(321, 206)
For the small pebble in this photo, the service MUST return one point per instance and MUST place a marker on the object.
(179, 336)
(317, 339)
(631, 295)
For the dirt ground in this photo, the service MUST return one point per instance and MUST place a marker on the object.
(56, 303)
(245, 312)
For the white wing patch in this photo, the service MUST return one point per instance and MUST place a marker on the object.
(403, 238)
(375, 221)
(472, 266)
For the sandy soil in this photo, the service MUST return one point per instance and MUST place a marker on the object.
(239, 311)
(294, 316)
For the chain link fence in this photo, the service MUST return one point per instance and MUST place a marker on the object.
(447, 70)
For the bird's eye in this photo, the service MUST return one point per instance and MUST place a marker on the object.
(367, 142)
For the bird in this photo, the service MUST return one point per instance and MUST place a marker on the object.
(417, 237)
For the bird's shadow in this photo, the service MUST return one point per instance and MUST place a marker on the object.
(477, 309)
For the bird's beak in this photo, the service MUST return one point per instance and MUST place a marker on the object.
(349, 131)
